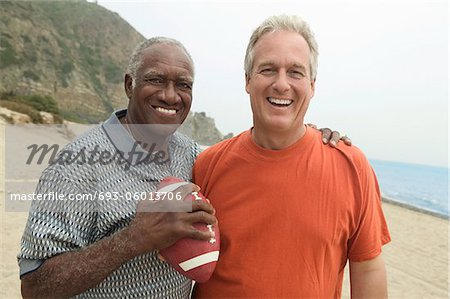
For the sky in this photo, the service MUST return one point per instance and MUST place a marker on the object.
(382, 76)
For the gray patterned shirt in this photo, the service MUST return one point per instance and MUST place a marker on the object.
(56, 227)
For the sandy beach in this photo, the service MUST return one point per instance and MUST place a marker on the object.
(417, 258)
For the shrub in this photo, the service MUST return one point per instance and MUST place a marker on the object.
(57, 119)
(41, 103)
(67, 67)
(31, 75)
(8, 119)
(37, 102)
(72, 116)
(7, 53)
(25, 38)
(23, 108)
(113, 73)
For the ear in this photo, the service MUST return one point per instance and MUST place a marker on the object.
(128, 85)
(247, 82)
(313, 88)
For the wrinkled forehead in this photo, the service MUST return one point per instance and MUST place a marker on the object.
(166, 57)
(281, 45)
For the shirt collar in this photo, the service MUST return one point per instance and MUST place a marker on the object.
(122, 140)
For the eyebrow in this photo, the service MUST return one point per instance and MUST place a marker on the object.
(265, 64)
(300, 66)
(157, 73)
(272, 63)
(152, 73)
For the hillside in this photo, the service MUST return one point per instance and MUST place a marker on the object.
(75, 52)
(70, 57)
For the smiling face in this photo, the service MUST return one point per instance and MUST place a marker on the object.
(280, 85)
(163, 87)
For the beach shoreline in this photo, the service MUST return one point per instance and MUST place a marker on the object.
(395, 202)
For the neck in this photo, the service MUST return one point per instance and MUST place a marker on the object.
(277, 140)
(147, 139)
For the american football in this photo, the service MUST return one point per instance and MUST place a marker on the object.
(195, 259)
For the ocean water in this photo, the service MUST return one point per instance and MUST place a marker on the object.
(420, 186)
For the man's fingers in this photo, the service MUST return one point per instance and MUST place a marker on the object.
(202, 217)
(346, 140)
(335, 137)
(200, 235)
(312, 126)
(199, 205)
(326, 134)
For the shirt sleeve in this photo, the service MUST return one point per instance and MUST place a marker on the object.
(57, 222)
(371, 231)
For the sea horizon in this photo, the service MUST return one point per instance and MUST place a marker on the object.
(418, 186)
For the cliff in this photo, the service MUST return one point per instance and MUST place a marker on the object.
(71, 56)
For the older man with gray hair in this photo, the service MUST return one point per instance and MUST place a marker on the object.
(292, 211)
(108, 248)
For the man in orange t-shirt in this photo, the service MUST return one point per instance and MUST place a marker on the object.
(291, 210)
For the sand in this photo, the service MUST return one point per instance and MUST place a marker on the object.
(416, 259)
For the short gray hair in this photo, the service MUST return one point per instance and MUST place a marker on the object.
(288, 23)
(136, 57)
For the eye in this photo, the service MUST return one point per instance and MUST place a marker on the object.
(184, 85)
(296, 74)
(267, 71)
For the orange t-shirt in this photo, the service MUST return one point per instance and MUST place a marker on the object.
(289, 219)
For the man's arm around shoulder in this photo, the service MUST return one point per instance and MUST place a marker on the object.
(368, 278)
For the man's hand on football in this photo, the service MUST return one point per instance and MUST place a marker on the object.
(156, 227)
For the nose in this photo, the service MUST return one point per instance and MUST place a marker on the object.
(281, 83)
(169, 94)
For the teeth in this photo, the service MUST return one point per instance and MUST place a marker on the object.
(166, 111)
(280, 101)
